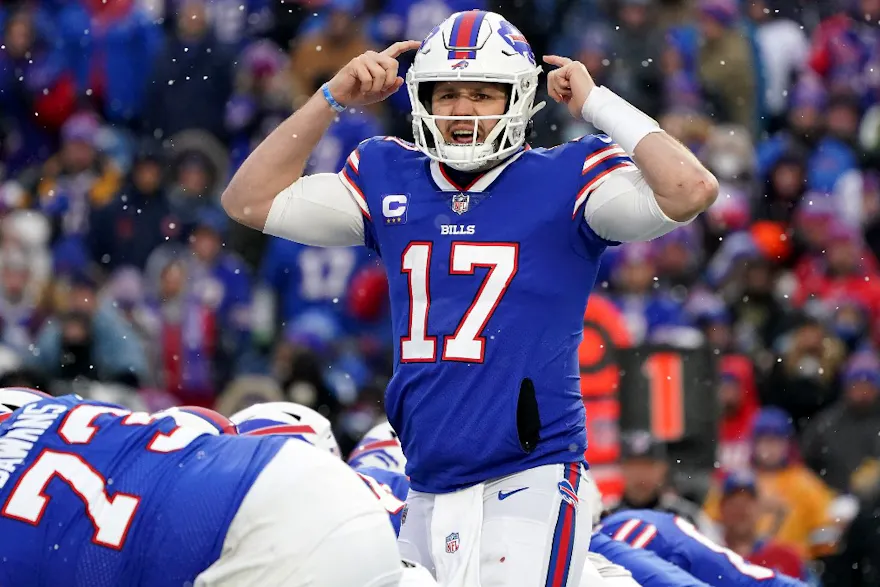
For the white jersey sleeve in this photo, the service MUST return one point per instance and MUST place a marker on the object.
(318, 210)
(623, 208)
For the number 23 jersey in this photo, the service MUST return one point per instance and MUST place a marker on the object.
(92, 495)
(488, 284)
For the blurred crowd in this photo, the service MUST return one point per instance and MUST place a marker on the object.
(120, 277)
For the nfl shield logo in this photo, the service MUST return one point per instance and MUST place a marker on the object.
(460, 203)
(452, 543)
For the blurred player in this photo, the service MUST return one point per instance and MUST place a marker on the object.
(96, 495)
(491, 249)
(620, 565)
(388, 485)
(677, 541)
(642, 567)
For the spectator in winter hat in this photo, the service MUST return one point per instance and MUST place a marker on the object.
(731, 212)
(730, 154)
(645, 467)
(804, 127)
(784, 187)
(76, 176)
(740, 513)
(784, 49)
(644, 307)
(795, 503)
(812, 221)
(139, 218)
(803, 379)
(93, 334)
(846, 268)
(594, 51)
(709, 314)
(842, 119)
(679, 255)
(738, 397)
(726, 65)
(317, 55)
(830, 160)
(845, 435)
(850, 321)
(635, 47)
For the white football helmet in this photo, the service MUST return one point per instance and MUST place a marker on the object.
(379, 448)
(12, 398)
(474, 46)
(289, 419)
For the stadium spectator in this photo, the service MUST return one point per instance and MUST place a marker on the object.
(795, 503)
(726, 64)
(740, 511)
(645, 467)
(738, 398)
(635, 48)
(139, 217)
(191, 79)
(319, 54)
(89, 339)
(841, 438)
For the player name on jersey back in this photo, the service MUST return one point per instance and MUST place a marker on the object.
(24, 432)
(94, 495)
(488, 284)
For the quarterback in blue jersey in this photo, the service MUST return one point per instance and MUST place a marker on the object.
(491, 249)
(94, 495)
(679, 542)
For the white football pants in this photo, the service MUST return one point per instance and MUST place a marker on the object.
(530, 529)
(307, 521)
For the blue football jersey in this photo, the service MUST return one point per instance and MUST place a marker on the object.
(488, 284)
(648, 569)
(679, 542)
(97, 496)
(390, 488)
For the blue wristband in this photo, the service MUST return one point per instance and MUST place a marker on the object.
(331, 100)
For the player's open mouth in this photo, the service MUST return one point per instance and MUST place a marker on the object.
(463, 137)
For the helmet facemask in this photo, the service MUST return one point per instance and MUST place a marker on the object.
(506, 137)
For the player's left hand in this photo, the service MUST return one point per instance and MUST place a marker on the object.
(570, 84)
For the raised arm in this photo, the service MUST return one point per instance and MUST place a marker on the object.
(681, 186)
(277, 164)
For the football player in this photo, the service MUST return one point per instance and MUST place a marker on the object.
(380, 473)
(676, 540)
(95, 495)
(491, 249)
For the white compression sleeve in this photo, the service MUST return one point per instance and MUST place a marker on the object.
(623, 208)
(317, 210)
(622, 121)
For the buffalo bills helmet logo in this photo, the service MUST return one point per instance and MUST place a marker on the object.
(460, 65)
(516, 40)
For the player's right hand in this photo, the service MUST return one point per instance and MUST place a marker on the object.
(370, 77)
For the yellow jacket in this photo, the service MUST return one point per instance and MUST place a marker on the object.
(795, 504)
